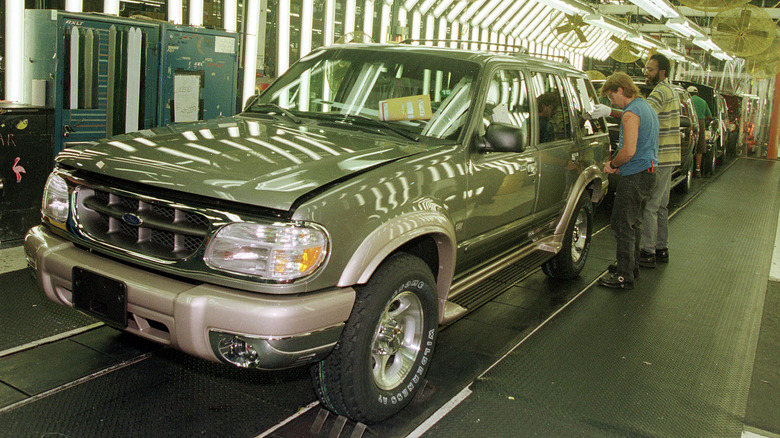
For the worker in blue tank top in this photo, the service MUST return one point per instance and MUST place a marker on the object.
(634, 161)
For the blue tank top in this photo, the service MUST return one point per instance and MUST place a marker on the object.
(647, 141)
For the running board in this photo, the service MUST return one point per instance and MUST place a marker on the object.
(497, 277)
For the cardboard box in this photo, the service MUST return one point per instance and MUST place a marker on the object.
(406, 108)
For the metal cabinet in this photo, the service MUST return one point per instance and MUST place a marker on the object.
(198, 69)
(100, 72)
(26, 150)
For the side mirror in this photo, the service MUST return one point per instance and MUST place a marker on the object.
(502, 137)
(685, 122)
(251, 101)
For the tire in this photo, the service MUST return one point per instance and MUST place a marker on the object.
(687, 183)
(710, 160)
(568, 263)
(385, 350)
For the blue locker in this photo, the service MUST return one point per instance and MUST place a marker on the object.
(198, 70)
(101, 72)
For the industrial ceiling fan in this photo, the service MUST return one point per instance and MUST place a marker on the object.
(745, 31)
(766, 64)
(568, 31)
(625, 52)
(714, 5)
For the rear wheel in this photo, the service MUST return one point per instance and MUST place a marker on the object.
(385, 350)
(710, 160)
(687, 183)
(568, 263)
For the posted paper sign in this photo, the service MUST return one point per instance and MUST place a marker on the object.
(405, 108)
(186, 97)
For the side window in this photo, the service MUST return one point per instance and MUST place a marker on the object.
(584, 98)
(552, 107)
(507, 100)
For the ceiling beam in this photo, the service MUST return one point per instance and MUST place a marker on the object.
(683, 10)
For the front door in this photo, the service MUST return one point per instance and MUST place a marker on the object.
(502, 185)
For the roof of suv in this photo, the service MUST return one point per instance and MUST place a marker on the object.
(482, 57)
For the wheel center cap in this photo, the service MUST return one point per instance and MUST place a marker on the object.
(575, 235)
(389, 338)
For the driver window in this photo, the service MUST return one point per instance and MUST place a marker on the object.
(507, 100)
(552, 108)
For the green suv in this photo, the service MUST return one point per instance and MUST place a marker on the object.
(349, 212)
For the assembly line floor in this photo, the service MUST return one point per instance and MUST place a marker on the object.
(692, 351)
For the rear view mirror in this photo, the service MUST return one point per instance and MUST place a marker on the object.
(502, 137)
(685, 122)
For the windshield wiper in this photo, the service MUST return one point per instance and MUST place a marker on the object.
(360, 119)
(274, 108)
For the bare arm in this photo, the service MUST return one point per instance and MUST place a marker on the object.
(630, 123)
(630, 137)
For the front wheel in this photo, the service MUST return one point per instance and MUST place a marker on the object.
(385, 350)
(568, 263)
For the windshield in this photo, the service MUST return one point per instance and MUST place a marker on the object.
(419, 94)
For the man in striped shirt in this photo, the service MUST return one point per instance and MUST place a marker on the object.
(655, 231)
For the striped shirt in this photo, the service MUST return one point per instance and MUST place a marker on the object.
(667, 105)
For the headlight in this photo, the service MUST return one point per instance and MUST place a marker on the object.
(55, 199)
(273, 252)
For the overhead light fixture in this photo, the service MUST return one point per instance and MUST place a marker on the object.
(641, 41)
(456, 10)
(483, 13)
(684, 27)
(426, 5)
(608, 24)
(657, 8)
(671, 54)
(567, 7)
(441, 7)
(409, 4)
(706, 44)
(679, 25)
(723, 56)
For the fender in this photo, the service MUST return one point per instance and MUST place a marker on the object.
(393, 234)
(591, 174)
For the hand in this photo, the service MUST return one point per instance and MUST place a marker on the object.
(609, 169)
(600, 111)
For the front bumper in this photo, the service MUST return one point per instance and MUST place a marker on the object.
(286, 330)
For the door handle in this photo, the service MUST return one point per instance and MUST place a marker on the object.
(530, 165)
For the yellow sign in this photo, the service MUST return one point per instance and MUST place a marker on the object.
(406, 108)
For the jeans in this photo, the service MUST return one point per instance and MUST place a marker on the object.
(655, 220)
(630, 196)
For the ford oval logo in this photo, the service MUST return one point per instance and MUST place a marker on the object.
(132, 219)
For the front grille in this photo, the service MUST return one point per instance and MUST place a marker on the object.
(147, 228)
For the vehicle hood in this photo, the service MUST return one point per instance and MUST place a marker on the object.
(253, 161)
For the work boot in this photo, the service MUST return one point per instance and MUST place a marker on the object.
(646, 259)
(616, 281)
(613, 268)
(662, 255)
